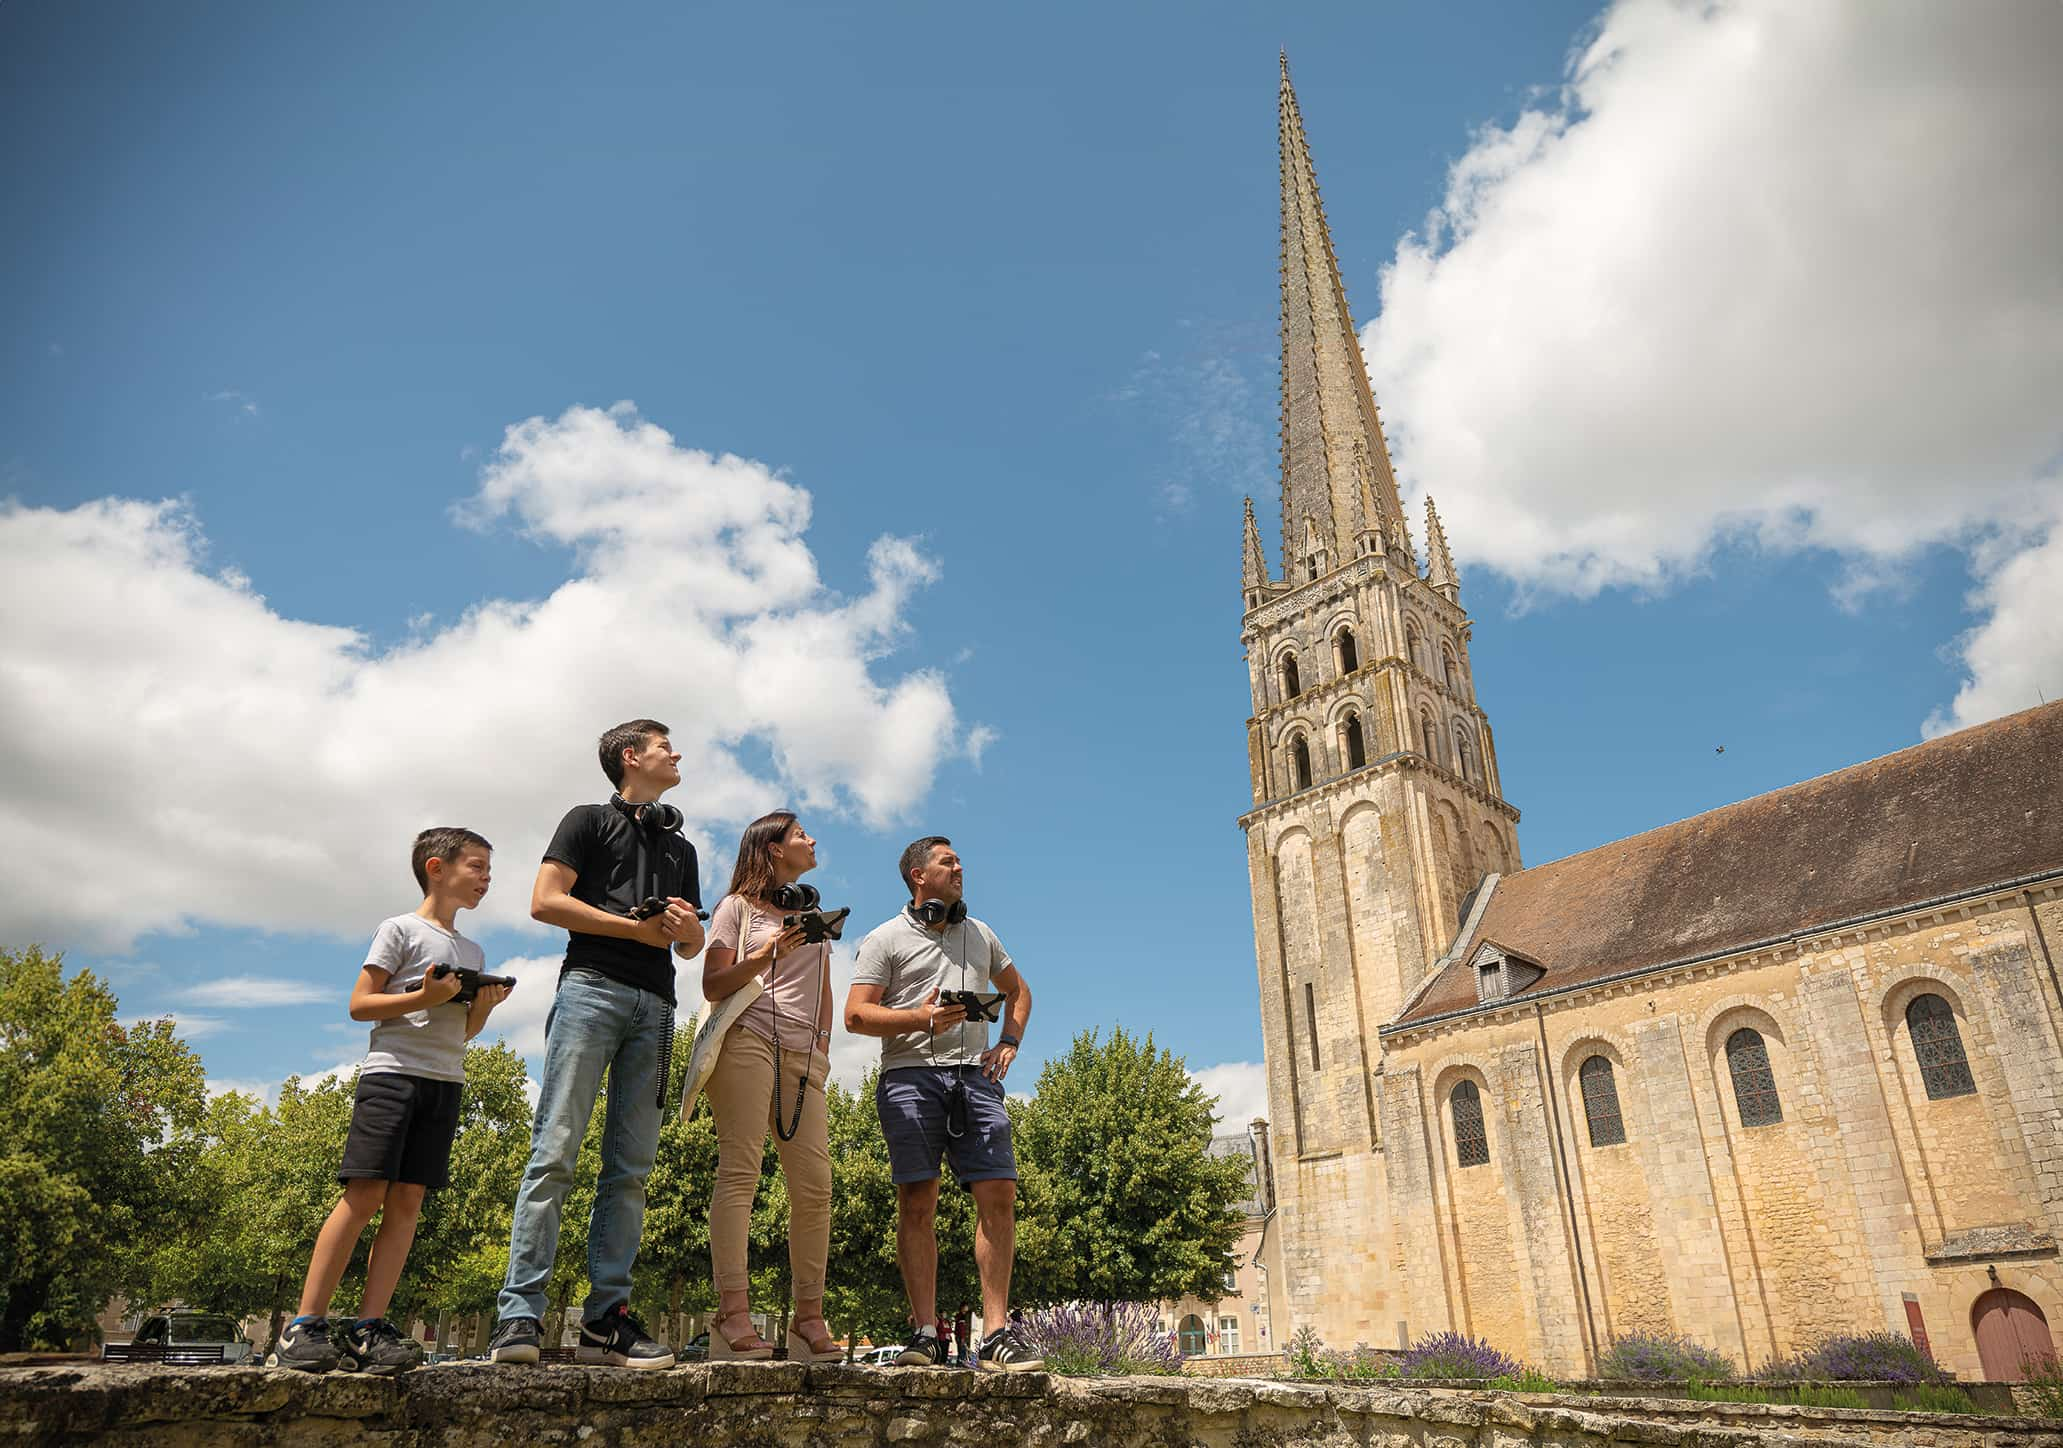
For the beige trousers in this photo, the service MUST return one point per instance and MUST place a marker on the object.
(744, 1105)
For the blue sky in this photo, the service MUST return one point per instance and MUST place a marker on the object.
(1000, 286)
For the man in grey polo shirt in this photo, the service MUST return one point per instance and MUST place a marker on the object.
(940, 1092)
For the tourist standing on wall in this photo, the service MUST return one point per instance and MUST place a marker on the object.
(940, 1093)
(622, 881)
(770, 1075)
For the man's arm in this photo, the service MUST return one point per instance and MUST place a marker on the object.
(995, 1061)
(552, 902)
(866, 1016)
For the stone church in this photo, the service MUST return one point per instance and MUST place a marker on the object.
(1789, 1068)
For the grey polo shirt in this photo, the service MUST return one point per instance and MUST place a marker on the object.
(907, 962)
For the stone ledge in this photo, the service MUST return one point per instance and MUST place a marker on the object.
(781, 1405)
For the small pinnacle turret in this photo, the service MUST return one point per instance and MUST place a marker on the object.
(1254, 578)
(1439, 562)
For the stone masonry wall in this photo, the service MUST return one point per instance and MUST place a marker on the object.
(778, 1405)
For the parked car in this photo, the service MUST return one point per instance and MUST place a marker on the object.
(183, 1336)
(881, 1357)
(696, 1351)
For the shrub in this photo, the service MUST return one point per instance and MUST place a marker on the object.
(1456, 1355)
(1933, 1398)
(2044, 1381)
(1858, 1357)
(1101, 1339)
(1729, 1393)
(1309, 1358)
(1654, 1357)
(1526, 1380)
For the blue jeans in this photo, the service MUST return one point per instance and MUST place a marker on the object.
(596, 1024)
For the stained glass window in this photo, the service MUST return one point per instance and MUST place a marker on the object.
(1939, 1046)
(1754, 1084)
(1471, 1146)
(1601, 1102)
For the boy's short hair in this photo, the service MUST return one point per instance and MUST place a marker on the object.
(633, 735)
(916, 855)
(446, 843)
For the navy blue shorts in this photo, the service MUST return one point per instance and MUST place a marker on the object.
(401, 1129)
(912, 1102)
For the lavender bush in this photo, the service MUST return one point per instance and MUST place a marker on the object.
(1858, 1357)
(1099, 1339)
(1456, 1355)
(1655, 1357)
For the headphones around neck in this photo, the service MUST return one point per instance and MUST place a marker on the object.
(651, 815)
(794, 896)
(937, 912)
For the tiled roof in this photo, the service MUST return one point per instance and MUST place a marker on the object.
(1971, 809)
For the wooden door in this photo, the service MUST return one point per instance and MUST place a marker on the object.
(2011, 1332)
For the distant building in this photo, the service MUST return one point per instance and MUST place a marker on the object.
(1241, 1318)
(1785, 1069)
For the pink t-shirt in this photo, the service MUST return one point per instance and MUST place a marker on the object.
(795, 982)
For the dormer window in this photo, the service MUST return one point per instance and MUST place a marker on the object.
(1502, 973)
(1490, 980)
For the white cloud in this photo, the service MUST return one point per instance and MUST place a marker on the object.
(241, 401)
(2014, 659)
(979, 738)
(190, 1026)
(270, 771)
(264, 990)
(1777, 273)
(1241, 1088)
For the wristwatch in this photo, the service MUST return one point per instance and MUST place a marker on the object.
(1006, 1039)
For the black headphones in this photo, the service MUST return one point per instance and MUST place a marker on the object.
(794, 896)
(937, 912)
(651, 815)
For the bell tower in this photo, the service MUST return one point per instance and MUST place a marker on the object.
(1376, 802)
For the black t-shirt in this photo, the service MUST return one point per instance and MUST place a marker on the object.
(600, 845)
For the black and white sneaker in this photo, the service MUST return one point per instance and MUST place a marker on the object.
(1003, 1351)
(619, 1339)
(514, 1341)
(375, 1345)
(304, 1346)
(923, 1350)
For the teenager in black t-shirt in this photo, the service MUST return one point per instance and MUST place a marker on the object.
(613, 1014)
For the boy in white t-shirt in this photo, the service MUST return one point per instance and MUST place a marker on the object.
(405, 1112)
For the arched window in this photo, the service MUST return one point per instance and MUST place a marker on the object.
(1300, 762)
(1601, 1103)
(1194, 1340)
(1754, 1084)
(1938, 1045)
(1291, 687)
(1429, 736)
(1357, 755)
(1465, 761)
(1453, 674)
(1350, 656)
(1471, 1146)
(1412, 652)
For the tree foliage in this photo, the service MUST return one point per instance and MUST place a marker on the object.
(1124, 1201)
(95, 1136)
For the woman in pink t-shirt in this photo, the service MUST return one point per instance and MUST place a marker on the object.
(777, 1051)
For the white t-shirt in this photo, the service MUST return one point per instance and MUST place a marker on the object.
(907, 961)
(429, 1042)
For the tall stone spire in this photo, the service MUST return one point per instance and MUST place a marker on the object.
(1336, 470)
(1254, 575)
(1439, 570)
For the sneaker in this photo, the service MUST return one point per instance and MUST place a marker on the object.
(1003, 1351)
(923, 1350)
(375, 1345)
(514, 1341)
(619, 1339)
(304, 1346)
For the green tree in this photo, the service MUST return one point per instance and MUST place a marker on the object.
(1124, 1201)
(96, 1125)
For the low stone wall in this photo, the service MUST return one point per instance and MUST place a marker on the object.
(782, 1405)
(1236, 1365)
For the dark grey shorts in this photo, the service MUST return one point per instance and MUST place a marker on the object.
(912, 1102)
(401, 1130)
